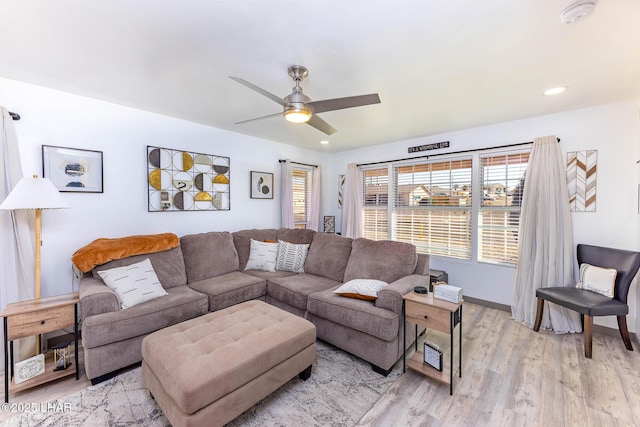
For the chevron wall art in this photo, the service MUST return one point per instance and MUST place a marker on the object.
(581, 179)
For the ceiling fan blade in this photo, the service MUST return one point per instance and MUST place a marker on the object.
(258, 118)
(259, 90)
(341, 103)
(321, 125)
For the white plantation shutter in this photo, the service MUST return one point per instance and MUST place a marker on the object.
(301, 180)
(432, 207)
(502, 181)
(375, 190)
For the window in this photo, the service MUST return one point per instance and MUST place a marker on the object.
(375, 184)
(431, 204)
(432, 208)
(502, 182)
(301, 183)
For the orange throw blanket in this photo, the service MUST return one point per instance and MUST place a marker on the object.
(104, 250)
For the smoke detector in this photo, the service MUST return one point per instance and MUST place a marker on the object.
(577, 11)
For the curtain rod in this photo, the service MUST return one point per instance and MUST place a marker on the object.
(14, 116)
(452, 152)
(298, 163)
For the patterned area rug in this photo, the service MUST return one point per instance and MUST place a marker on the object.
(342, 388)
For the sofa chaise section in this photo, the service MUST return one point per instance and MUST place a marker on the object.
(111, 337)
(371, 330)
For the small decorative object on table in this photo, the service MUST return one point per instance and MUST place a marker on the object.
(29, 368)
(62, 355)
(448, 293)
(433, 355)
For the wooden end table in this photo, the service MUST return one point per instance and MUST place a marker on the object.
(432, 313)
(35, 317)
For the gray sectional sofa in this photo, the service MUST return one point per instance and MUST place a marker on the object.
(207, 273)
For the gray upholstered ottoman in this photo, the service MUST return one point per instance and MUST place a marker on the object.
(208, 370)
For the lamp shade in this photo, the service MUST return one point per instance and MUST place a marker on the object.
(34, 193)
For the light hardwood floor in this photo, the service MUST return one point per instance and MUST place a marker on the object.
(511, 376)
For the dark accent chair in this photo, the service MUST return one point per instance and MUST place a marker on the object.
(589, 303)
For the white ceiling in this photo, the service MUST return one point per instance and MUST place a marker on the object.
(438, 65)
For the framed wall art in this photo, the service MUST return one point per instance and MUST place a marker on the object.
(330, 224)
(582, 169)
(261, 185)
(179, 180)
(73, 169)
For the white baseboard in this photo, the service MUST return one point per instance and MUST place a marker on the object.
(596, 328)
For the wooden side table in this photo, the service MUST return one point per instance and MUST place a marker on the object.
(34, 317)
(440, 315)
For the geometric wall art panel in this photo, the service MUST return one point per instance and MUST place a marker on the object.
(581, 180)
(184, 181)
(341, 182)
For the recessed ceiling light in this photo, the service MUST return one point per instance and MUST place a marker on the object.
(555, 90)
(324, 142)
(577, 11)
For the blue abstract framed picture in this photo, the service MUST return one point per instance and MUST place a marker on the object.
(73, 169)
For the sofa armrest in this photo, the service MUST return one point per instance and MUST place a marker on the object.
(96, 298)
(390, 297)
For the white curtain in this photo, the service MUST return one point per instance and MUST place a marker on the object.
(352, 203)
(286, 195)
(17, 260)
(314, 208)
(546, 254)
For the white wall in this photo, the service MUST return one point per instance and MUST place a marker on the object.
(55, 118)
(613, 130)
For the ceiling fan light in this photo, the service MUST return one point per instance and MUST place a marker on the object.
(297, 115)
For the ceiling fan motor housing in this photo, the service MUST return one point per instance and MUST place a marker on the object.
(296, 106)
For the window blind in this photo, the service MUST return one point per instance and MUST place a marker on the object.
(502, 180)
(301, 180)
(432, 207)
(375, 190)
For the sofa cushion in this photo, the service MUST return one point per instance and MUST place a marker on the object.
(168, 265)
(291, 256)
(295, 235)
(267, 275)
(230, 289)
(294, 290)
(242, 242)
(181, 304)
(356, 314)
(208, 255)
(384, 260)
(328, 256)
(133, 284)
(262, 256)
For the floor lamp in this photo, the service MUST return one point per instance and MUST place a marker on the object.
(35, 194)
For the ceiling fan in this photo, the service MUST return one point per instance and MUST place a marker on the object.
(298, 108)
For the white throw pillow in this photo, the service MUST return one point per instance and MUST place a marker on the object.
(597, 279)
(291, 256)
(133, 284)
(262, 256)
(366, 289)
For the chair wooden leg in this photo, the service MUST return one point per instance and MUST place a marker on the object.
(624, 332)
(588, 323)
(536, 325)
